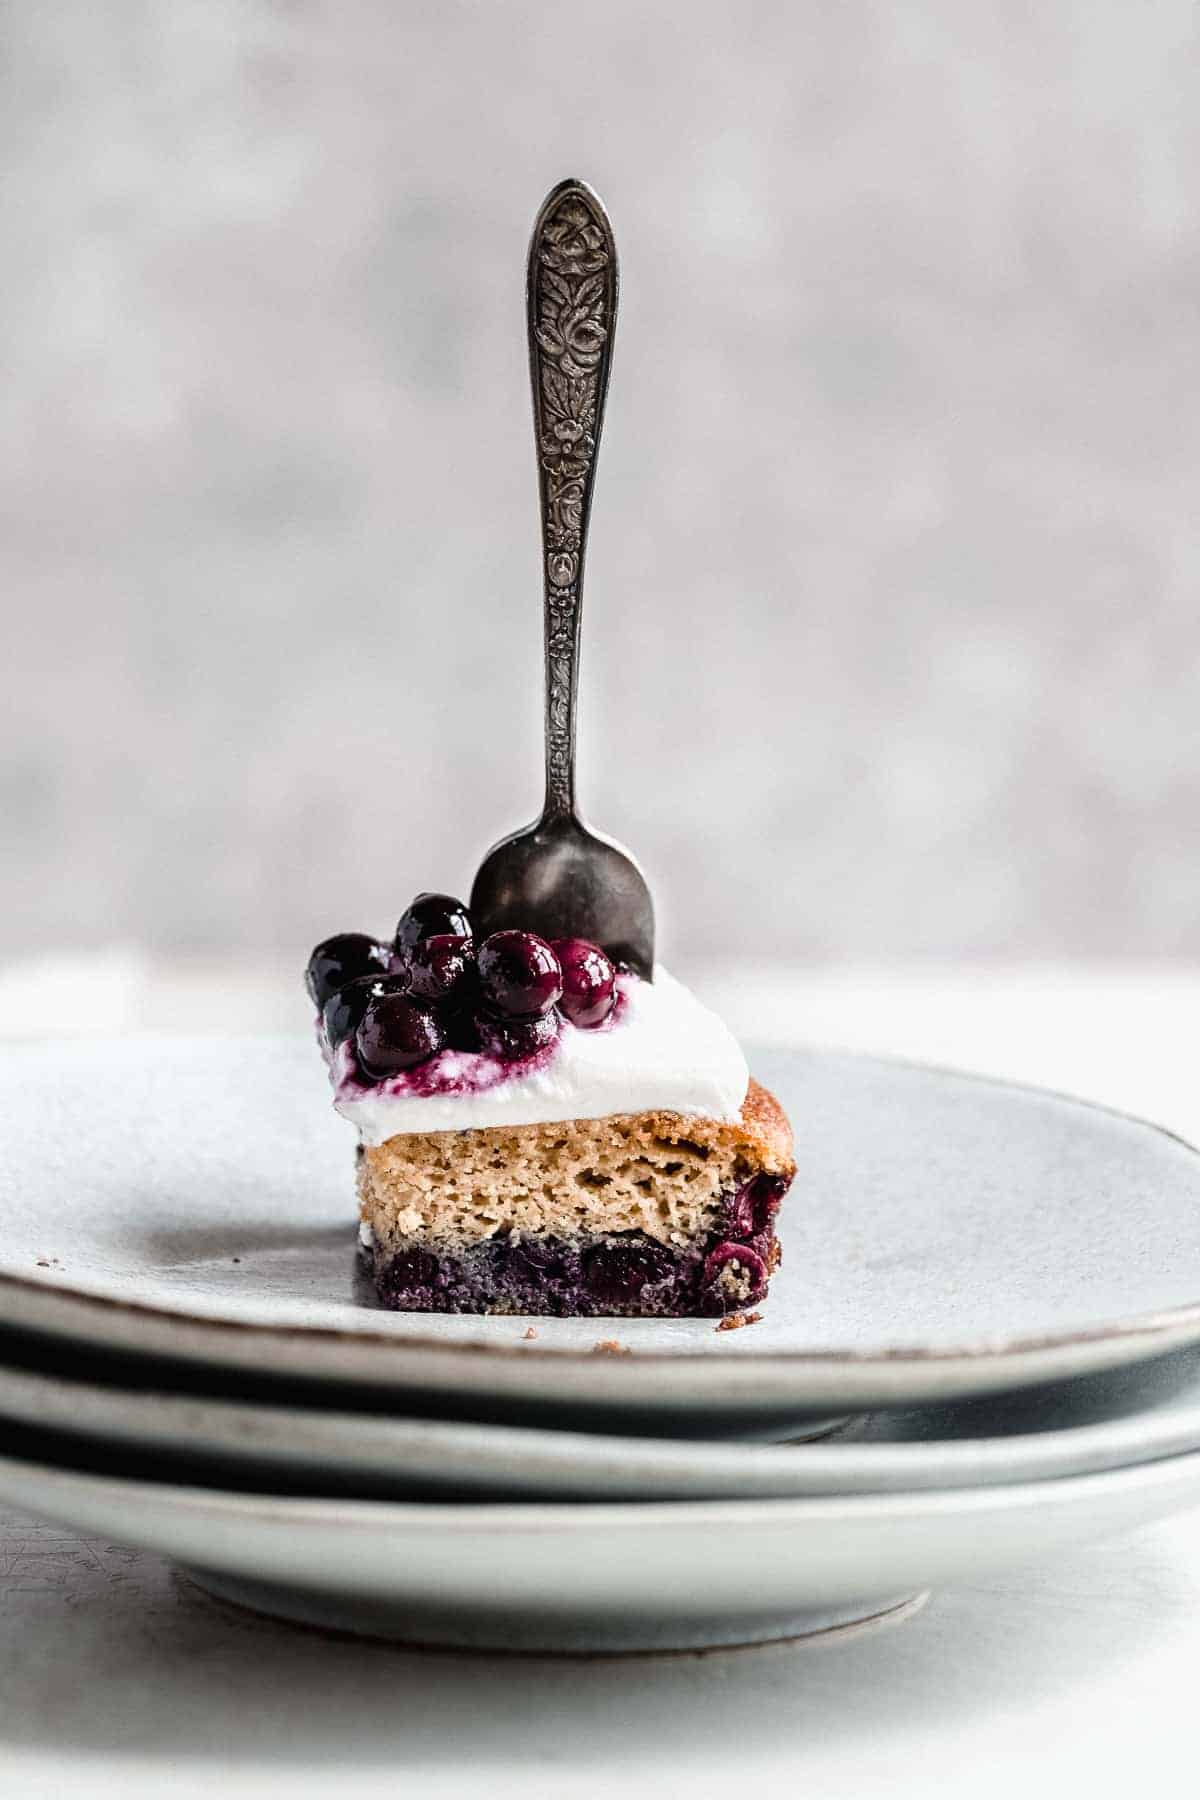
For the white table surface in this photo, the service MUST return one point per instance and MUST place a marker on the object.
(119, 1678)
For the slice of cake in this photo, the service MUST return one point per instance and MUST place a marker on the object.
(543, 1133)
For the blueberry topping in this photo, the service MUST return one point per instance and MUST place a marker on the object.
(431, 915)
(511, 1039)
(616, 1273)
(442, 967)
(519, 974)
(395, 1033)
(344, 1011)
(589, 982)
(342, 959)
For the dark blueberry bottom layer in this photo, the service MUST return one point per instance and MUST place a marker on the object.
(618, 1274)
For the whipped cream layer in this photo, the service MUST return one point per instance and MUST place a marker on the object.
(662, 1051)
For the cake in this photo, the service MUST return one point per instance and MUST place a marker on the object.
(541, 1132)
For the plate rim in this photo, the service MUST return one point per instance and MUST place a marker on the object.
(1160, 1428)
(1165, 1327)
(1165, 1324)
(521, 1517)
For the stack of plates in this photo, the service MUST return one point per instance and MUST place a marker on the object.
(984, 1345)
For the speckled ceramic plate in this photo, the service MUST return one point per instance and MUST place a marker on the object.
(945, 1236)
(594, 1578)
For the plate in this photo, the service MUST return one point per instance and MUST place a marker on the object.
(946, 1236)
(1113, 1420)
(594, 1577)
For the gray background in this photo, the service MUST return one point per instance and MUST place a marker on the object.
(891, 622)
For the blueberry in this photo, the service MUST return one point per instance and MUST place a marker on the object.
(511, 1039)
(537, 1254)
(535, 1261)
(735, 1275)
(342, 959)
(395, 1033)
(615, 1273)
(431, 915)
(754, 1205)
(739, 1211)
(767, 1197)
(343, 1012)
(589, 982)
(460, 1025)
(519, 974)
(442, 968)
(411, 1271)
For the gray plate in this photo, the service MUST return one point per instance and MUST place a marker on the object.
(1137, 1414)
(611, 1578)
(946, 1236)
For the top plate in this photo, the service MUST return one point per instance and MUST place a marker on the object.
(945, 1236)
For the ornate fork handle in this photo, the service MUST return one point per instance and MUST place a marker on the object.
(571, 302)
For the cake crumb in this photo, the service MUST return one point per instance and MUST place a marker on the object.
(735, 1321)
(611, 1347)
(529, 1333)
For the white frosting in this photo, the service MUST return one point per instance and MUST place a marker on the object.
(665, 1051)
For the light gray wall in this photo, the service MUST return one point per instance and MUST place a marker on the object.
(891, 627)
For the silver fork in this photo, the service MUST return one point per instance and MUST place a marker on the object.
(556, 877)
